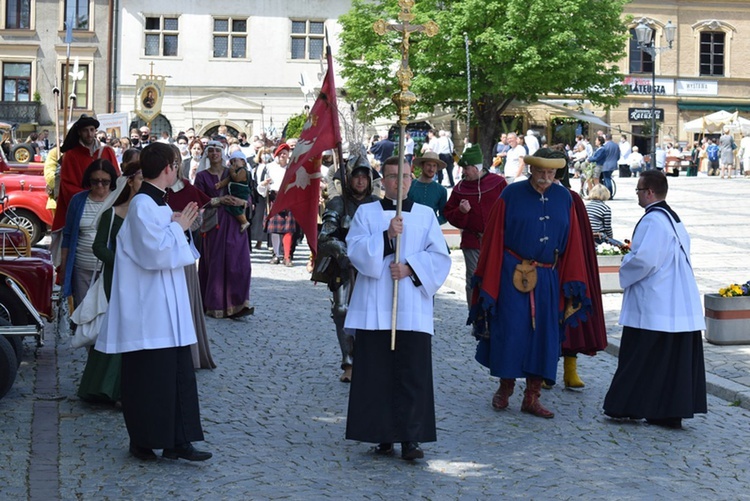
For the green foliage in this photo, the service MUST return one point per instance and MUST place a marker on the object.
(295, 124)
(520, 49)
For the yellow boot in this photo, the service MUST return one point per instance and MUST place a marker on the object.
(570, 375)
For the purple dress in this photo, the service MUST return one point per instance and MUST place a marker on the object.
(224, 266)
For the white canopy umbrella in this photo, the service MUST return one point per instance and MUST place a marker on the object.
(713, 123)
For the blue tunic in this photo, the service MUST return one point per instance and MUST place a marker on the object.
(535, 227)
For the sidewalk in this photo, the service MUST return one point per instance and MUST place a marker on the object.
(727, 367)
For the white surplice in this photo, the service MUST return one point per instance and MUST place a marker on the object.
(422, 247)
(660, 289)
(149, 307)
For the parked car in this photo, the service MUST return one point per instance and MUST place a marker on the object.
(27, 296)
(19, 152)
(26, 190)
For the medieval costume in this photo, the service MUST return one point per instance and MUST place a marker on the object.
(332, 264)
(391, 398)
(660, 372)
(520, 324)
(149, 321)
(224, 268)
(178, 196)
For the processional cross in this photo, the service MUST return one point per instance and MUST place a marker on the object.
(403, 100)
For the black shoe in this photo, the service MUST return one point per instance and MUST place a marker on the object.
(142, 453)
(411, 450)
(243, 312)
(671, 423)
(186, 452)
(384, 449)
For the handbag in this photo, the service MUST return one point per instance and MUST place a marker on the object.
(210, 219)
(89, 315)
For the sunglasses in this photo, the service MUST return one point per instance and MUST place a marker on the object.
(100, 182)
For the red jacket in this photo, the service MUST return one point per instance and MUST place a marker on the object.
(74, 164)
(482, 195)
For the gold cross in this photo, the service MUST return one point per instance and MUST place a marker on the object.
(405, 98)
(152, 69)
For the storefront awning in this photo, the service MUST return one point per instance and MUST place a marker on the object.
(684, 105)
(577, 114)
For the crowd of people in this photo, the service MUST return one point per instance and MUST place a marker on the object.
(170, 225)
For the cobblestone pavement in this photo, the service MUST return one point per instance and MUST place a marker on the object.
(274, 412)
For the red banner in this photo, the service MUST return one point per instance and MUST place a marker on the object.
(300, 189)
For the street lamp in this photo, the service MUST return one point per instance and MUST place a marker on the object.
(644, 35)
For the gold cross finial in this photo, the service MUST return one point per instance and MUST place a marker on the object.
(152, 69)
(405, 98)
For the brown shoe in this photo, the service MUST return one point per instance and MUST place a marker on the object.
(503, 393)
(531, 404)
(288, 263)
(346, 377)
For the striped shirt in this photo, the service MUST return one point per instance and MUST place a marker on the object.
(600, 217)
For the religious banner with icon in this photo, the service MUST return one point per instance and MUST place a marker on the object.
(149, 93)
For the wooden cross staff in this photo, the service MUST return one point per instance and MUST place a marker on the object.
(403, 101)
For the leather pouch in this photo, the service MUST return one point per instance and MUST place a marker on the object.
(524, 276)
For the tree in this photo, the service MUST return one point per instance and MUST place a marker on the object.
(520, 50)
(294, 126)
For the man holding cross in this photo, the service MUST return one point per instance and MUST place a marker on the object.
(391, 398)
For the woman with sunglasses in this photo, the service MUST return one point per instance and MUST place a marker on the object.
(78, 263)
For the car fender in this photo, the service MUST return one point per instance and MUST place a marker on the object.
(34, 201)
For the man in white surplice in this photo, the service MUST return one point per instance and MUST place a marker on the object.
(391, 398)
(149, 319)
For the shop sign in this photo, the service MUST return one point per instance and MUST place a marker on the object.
(644, 114)
(640, 85)
(697, 88)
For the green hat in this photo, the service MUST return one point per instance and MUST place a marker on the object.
(472, 156)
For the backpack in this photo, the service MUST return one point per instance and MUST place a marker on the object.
(713, 153)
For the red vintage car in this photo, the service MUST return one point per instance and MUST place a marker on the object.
(27, 278)
(27, 196)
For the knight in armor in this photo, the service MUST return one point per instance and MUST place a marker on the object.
(332, 264)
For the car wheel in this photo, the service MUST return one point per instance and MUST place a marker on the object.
(15, 341)
(8, 366)
(26, 220)
(12, 309)
(22, 153)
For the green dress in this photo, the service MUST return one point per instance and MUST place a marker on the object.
(101, 377)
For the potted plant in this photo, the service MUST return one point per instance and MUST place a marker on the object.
(728, 315)
(609, 257)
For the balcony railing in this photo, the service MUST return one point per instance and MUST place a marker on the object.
(15, 112)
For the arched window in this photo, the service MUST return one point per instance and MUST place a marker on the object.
(713, 45)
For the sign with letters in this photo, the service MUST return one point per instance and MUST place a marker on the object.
(644, 114)
(640, 85)
(697, 88)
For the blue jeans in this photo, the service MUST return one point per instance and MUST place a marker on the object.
(607, 180)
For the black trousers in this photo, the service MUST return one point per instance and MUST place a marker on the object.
(160, 398)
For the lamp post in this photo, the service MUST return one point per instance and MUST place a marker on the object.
(644, 35)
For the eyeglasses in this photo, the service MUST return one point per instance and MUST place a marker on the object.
(641, 189)
(100, 182)
(393, 177)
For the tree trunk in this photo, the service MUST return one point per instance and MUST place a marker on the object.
(487, 112)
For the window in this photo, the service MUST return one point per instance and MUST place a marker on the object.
(307, 39)
(81, 87)
(712, 53)
(230, 34)
(18, 15)
(161, 36)
(640, 62)
(17, 82)
(78, 11)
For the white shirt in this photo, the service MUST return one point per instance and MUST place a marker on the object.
(409, 147)
(532, 143)
(660, 289)
(512, 160)
(444, 146)
(149, 307)
(422, 247)
(625, 151)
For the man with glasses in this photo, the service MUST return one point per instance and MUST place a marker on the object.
(660, 373)
(391, 398)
